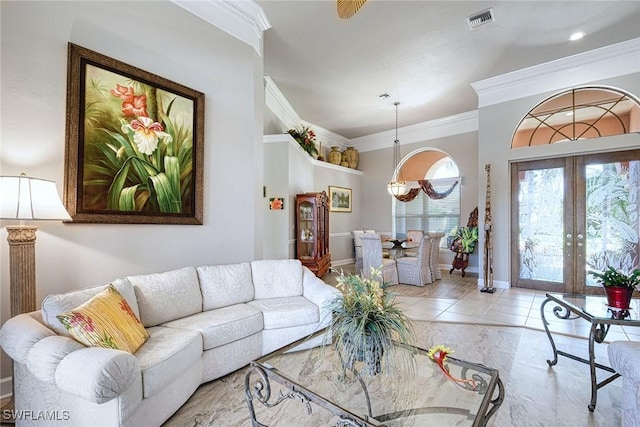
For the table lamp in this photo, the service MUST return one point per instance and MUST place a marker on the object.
(26, 199)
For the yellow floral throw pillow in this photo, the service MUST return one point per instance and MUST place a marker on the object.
(106, 320)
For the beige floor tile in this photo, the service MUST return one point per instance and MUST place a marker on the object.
(509, 309)
(467, 309)
(416, 313)
(505, 318)
(514, 302)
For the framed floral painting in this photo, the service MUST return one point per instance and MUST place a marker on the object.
(339, 199)
(134, 148)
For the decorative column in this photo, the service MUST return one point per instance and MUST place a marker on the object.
(22, 266)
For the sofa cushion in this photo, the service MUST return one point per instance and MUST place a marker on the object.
(277, 278)
(223, 325)
(56, 304)
(166, 355)
(106, 320)
(287, 312)
(163, 297)
(225, 285)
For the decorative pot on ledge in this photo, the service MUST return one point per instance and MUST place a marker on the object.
(335, 156)
(352, 157)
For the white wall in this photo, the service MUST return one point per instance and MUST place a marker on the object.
(497, 124)
(342, 223)
(161, 38)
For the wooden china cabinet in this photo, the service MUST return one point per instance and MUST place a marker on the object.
(312, 231)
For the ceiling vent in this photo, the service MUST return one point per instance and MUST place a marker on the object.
(481, 18)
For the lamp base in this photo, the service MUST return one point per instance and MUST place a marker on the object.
(22, 268)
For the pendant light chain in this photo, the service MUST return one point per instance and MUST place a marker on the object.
(396, 187)
(396, 146)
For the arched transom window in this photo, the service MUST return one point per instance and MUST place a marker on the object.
(579, 113)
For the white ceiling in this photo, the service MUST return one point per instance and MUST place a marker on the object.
(421, 52)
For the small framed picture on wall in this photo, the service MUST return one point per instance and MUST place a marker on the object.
(339, 199)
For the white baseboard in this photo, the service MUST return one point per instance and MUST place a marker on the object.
(499, 284)
(339, 262)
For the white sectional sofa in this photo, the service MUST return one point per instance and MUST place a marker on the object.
(624, 357)
(203, 322)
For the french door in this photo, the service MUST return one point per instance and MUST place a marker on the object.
(571, 215)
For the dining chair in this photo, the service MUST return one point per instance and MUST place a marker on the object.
(372, 258)
(416, 270)
(436, 274)
(414, 237)
(357, 246)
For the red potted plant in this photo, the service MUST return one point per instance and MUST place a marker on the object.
(619, 286)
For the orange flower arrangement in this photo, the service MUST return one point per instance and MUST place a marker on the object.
(438, 354)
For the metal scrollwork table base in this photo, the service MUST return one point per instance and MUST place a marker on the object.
(594, 310)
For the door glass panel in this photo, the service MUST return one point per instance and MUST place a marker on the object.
(612, 226)
(541, 213)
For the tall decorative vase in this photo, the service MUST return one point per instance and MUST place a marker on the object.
(343, 159)
(335, 156)
(352, 157)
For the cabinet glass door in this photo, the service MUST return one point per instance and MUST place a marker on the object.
(306, 230)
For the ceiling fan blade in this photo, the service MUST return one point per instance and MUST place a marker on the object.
(348, 8)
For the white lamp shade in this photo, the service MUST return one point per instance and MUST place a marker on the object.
(26, 198)
(396, 188)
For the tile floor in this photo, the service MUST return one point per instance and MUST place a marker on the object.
(457, 299)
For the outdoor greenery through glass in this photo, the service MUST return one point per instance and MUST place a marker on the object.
(613, 222)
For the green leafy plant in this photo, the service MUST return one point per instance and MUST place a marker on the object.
(367, 321)
(616, 278)
(306, 137)
(465, 240)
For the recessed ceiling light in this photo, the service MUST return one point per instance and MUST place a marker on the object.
(384, 96)
(576, 36)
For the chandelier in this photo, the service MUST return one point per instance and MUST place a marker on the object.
(396, 188)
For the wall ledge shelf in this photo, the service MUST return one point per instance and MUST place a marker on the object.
(268, 139)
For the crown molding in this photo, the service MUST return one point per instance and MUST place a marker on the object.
(603, 63)
(433, 129)
(280, 107)
(243, 19)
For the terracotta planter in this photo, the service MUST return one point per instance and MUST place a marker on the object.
(618, 297)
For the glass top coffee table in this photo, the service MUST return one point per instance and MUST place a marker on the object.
(593, 309)
(417, 396)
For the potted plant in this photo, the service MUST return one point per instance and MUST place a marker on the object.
(306, 137)
(367, 324)
(618, 286)
(465, 240)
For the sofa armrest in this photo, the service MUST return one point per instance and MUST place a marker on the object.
(319, 293)
(97, 374)
(624, 357)
(20, 333)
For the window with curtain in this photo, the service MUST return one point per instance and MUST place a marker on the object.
(425, 213)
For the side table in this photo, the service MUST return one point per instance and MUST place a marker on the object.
(594, 310)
